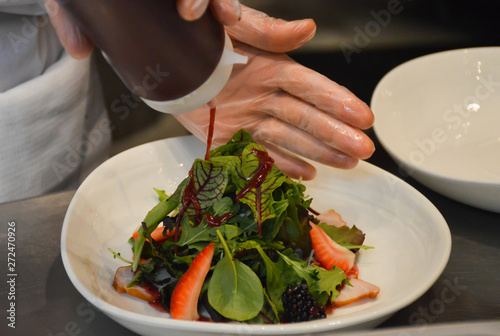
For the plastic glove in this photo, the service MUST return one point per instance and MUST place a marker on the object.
(286, 107)
(228, 12)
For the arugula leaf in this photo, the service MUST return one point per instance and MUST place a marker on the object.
(245, 221)
(274, 309)
(356, 247)
(193, 234)
(235, 291)
(300, 268)
(279, 276)
(271, 227)
(222, 207)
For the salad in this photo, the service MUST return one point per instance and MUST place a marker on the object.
(239, 241)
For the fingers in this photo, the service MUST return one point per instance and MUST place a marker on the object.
(294, 140)
(330, 131)
(191, 10)
(325, 94)
(261, 31)
(227, 12)
(73, 40)
(290, 164)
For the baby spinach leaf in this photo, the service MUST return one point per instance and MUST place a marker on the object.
(235, 291)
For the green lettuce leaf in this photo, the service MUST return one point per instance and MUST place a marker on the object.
(344, 235)
(328, 281)
(234, 146)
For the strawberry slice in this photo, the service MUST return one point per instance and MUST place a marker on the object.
(328, 252)
(184, 301)
(157, 234)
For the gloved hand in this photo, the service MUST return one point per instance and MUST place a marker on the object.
(228, 12)
(286, 107)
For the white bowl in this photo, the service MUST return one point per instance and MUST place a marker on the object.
(438, 116)
(412, 240)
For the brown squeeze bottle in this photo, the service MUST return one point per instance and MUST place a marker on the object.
(174, 65)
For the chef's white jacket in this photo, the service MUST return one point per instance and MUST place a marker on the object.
(53, 125)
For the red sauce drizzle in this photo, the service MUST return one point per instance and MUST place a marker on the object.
(265, 166)
(204, 319)
(213, 221)
(210, 132)
(190, 193)
(158, 306)
(354, 271)
(189, 197)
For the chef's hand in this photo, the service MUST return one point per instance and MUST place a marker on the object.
(286, 107)
(78, 45)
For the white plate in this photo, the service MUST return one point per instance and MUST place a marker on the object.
(438, 116)
(412, 240)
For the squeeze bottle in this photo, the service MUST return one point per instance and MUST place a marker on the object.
(174, 65)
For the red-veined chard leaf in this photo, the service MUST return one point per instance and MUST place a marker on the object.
(260, 198)
(210, 181)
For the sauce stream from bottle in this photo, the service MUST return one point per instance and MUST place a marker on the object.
(210, 132)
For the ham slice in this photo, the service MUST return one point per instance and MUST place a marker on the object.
(360, 289)
(124, 276)
(331, 217)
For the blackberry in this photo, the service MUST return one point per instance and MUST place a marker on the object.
(300, 305)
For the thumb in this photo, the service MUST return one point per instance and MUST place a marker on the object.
(270, 34)
(70, 35)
